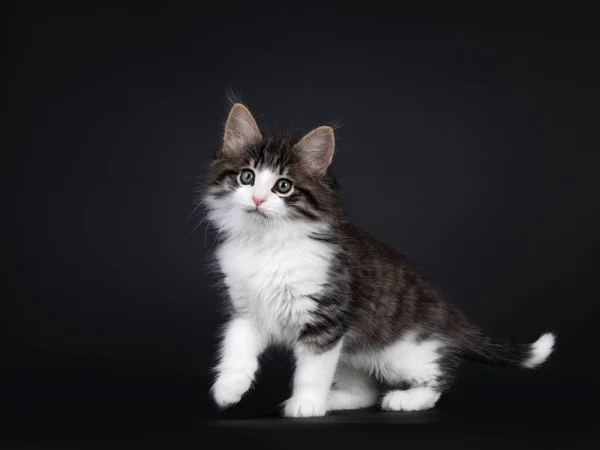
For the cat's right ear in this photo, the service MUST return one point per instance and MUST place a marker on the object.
(241, 131)
(316, 149)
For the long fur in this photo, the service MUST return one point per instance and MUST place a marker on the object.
(296, 272)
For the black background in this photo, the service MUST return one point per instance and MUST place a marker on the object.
(468, 142)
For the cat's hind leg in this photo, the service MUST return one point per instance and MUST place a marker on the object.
(412, 399)
(424, 364)
(352, 389)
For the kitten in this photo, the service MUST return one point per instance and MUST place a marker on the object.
(365, 326)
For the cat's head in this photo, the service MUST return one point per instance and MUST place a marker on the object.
(266, 181)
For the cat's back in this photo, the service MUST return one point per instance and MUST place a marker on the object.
(390, 294)
(364, 246)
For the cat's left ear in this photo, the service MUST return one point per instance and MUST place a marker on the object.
(316, 149)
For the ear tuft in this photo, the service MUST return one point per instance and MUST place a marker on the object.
(241, 131)
(316, 149)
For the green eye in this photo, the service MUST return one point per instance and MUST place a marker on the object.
(283, 186)
(247, 177)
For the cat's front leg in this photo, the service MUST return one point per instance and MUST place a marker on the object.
(313, 376)
(241, 346)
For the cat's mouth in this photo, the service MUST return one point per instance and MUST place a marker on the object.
(256, 212)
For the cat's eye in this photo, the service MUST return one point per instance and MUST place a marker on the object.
(283, 186)
(247, 177)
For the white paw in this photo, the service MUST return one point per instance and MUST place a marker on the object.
(230, 387)
(304, 406)
(415, 399)
(340, 400)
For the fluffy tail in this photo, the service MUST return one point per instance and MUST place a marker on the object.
(503, 353)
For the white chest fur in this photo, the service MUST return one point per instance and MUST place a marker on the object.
(271, 276)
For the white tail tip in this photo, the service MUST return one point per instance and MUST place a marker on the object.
(540, 350)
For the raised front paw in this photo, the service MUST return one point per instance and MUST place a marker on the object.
(230, 387)
(304, 406)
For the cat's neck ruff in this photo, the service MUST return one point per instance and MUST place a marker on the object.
(270, 231)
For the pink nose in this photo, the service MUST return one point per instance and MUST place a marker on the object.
(258, 201)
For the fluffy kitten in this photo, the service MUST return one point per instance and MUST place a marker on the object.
(365, 326)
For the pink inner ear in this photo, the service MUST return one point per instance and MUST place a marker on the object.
(317, 148)
(241, 130)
